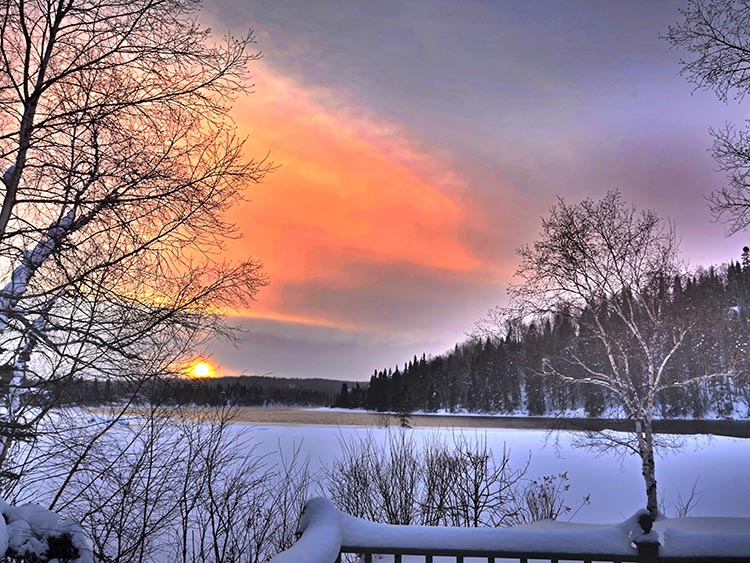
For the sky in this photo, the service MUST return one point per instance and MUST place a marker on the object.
(418, 145)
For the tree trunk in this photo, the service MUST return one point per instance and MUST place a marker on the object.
(645, 436)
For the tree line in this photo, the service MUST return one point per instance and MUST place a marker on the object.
(507, 373)
(210, 392)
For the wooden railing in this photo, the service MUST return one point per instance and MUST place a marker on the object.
(327, 534)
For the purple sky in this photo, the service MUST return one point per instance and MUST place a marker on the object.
(420, 144)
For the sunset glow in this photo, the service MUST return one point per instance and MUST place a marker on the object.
(417, 147)
(351, 196)
(200, 370)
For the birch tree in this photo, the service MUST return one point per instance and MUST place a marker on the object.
(716, 38)
(119, 162)
(606, 267)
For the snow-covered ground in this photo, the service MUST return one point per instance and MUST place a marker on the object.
(614, 483)
(719, 464)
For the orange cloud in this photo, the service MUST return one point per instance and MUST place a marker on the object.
(349, 190)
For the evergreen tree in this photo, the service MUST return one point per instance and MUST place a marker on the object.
(342, 399)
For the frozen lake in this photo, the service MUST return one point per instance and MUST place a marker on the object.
(719, 463)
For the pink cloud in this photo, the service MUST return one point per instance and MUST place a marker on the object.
(349, 190)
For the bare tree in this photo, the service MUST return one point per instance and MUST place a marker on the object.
(458, 482)
(484, 486)
(120, 161)
(174, 484)
(607, 269)
(717, 38)
(377, 482)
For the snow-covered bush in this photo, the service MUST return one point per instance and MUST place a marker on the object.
(30, 533)
(458, 482)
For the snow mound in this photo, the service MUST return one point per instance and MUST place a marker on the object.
(325, 530)
(705, 537)
(321, 534)
(542, 537)
(35, 533)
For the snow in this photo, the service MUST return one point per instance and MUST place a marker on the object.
(702, 537)
(325, 529)
(615, 486)
(30, 527)
(570, 539)
(104, 420)
(4, 534)
(321, 540)
(614, 483)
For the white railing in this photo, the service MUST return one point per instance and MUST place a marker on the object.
(326, 534)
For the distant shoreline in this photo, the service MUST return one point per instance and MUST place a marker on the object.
(322, 417)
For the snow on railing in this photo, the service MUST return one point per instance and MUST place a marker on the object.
(327, 532)
(711, 539)
(321, 535)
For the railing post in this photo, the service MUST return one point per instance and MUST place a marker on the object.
(648, 551)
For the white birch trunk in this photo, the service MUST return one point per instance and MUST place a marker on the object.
(645, 437)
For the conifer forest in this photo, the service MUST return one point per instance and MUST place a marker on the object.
(503, 373)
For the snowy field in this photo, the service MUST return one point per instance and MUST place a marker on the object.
(720, 464)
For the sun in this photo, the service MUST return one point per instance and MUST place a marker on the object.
(202, 369)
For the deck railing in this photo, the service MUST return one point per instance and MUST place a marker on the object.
(491, 557)
(326, 534)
